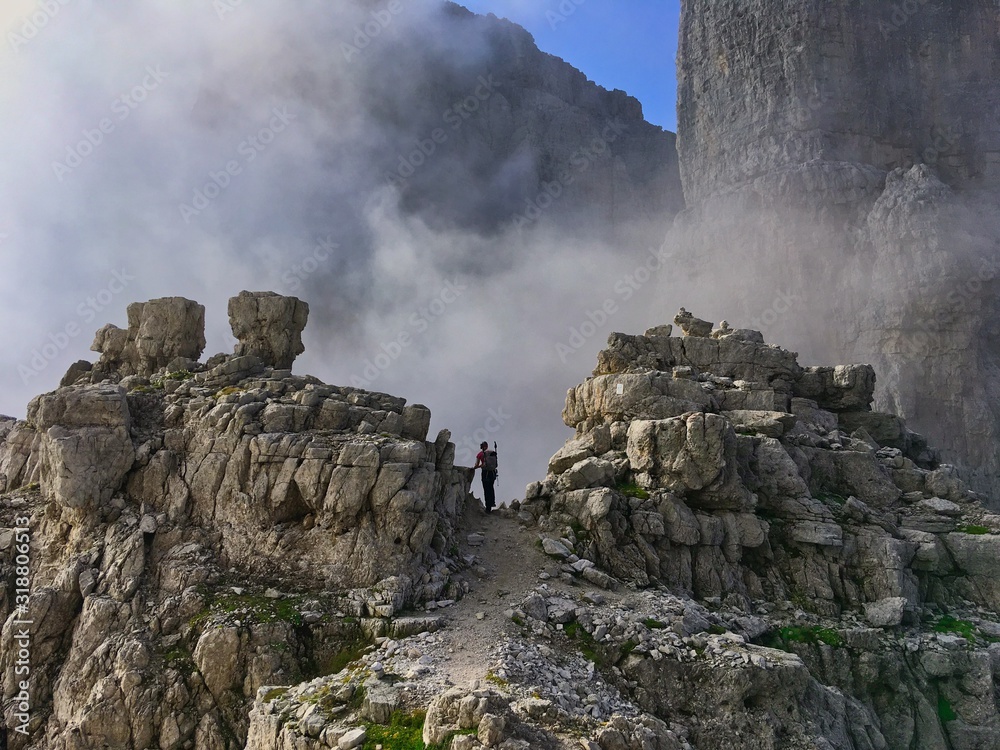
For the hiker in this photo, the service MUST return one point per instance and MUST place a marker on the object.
(487, 460)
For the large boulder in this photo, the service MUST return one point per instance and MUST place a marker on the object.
(693, 455)
(616, 398)
(86, 446)
(840, 388)
(268, 326)
(159, 331)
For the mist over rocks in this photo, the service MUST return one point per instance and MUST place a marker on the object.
(733, 549)
(848, 157)
(320, 212)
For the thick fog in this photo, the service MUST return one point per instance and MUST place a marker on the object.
(165, 149)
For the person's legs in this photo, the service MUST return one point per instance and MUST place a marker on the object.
(490, 497)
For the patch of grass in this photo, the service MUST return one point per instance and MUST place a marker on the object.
(229, 390)
(584, 641)
(357, 698)
(800, 601)
(179, 658)
(403, 732)
(974, 529)
(949, 624)
(717, 630)
(806, 634)
(270, 695)
(945, 711)
(351, 652)
(632, 490)
(180, 375)
(259, 608)
(519, 621)
(627, 648)
(155, 387)
(654, 624)
(497, 680)
(582, 535)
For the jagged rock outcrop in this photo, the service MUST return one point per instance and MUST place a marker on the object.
(268, 326)
(844, 160)
(806, 584)
(722, 468)
(236, 575)
(86, 443)
(159, 331)
(196, 533)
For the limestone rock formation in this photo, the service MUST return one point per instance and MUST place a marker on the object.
(268, 326)
(86, 443)
(195, 533)
(723, 469)
(805, 584)
(159, 331)
(845, 161)
(732, 551)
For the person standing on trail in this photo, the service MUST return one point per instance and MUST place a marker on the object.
(487, 461)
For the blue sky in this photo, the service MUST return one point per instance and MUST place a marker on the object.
(620, 44)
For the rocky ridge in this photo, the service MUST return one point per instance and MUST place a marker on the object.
(733, 550)
(740, 554)
(715, 465)
(197, 527)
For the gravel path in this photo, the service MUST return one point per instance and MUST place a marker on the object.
(506, 570)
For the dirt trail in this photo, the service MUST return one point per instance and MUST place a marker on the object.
(507, 568)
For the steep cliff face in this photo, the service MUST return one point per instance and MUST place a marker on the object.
(777, 84)
(541, 122)
(847, 154)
